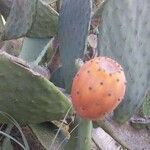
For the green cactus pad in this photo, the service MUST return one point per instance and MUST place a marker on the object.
(75, 17)
(26, 95)
(32, 47)
(124, 35)
(31, 18)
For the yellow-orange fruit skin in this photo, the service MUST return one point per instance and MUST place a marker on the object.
(98, 88)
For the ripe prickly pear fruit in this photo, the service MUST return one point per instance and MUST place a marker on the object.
(98, 88)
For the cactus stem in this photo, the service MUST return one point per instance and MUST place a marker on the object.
(84, 133)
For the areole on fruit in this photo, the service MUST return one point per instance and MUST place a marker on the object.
(98, 88)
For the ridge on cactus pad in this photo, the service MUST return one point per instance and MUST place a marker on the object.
(98, 88)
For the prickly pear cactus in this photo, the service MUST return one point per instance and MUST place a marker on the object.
(124, 35)
(73, 29)
(26, 95)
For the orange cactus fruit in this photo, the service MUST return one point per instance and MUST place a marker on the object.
(98, 88)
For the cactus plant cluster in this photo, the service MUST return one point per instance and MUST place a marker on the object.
(31, 18)
(29, 95)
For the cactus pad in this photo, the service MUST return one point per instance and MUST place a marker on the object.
(124, 35)
(26, 95)
(74, 23)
